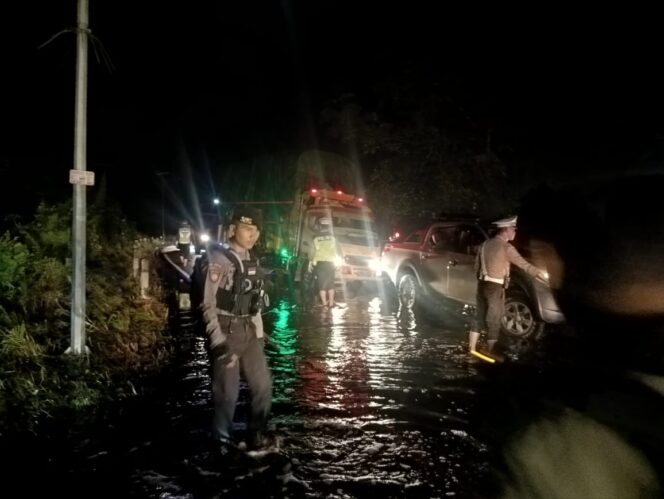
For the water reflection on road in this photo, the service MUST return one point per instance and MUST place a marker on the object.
(364, 403)
(368, 406)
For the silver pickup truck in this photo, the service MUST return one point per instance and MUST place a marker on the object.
(436, 263)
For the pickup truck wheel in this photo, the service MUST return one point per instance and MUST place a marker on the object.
(519, 320)
(407, 290)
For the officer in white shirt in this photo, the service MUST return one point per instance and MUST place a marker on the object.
(492, 266)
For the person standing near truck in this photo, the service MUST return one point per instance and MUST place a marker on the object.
(492, 266)
(322, 260)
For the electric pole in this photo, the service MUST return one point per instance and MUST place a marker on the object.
(80, 178)
(163, 224)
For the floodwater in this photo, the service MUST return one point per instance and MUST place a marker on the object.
(365, 403)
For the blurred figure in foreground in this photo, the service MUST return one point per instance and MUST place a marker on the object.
(587, 421)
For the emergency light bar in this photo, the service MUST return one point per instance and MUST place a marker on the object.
(321, 196)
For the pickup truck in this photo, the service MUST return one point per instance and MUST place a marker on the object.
(436, 264)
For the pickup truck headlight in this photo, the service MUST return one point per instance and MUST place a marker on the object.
(338, 261)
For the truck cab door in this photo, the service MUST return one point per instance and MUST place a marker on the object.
(462, 278)
(434, 255)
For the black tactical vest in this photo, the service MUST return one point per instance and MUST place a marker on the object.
(246, 294)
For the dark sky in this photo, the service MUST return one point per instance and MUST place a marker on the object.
(210, 83)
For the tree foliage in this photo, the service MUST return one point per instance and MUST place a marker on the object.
(417, 161)
(124, 331)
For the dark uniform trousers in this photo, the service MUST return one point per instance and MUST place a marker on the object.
(490, 307)
(241, 350)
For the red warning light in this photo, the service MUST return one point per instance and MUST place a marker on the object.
(360, 200)
(339, 192)
(314, 191)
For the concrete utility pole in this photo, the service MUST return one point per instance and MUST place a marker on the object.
(161, 176)
(81, 179)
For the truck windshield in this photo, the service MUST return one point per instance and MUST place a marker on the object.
(359, 239)
(362, 224)
(354, 230)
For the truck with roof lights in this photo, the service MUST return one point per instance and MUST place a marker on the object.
(353, 226)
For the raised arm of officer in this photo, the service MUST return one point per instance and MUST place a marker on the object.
(515, 258)
(507, 232)
(218, 274)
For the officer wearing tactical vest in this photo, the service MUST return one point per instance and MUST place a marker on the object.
(324, 254)
(233, 297)
(492, 266)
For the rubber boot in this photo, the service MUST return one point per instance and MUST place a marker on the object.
(473, 338)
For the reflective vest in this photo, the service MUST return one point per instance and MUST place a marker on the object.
(184, 235)
(325, 249)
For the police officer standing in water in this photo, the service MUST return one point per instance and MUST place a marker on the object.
(322, 261)
(233, 296)
(492, 266)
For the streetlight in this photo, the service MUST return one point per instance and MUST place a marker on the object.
(216, 202)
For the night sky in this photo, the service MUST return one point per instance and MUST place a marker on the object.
(213, 84)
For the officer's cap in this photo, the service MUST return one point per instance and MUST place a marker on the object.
(506, 222)
(247, 215)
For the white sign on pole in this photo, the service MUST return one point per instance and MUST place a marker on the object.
(81, 177)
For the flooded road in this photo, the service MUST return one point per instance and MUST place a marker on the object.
(371, 408)
(364, 404)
